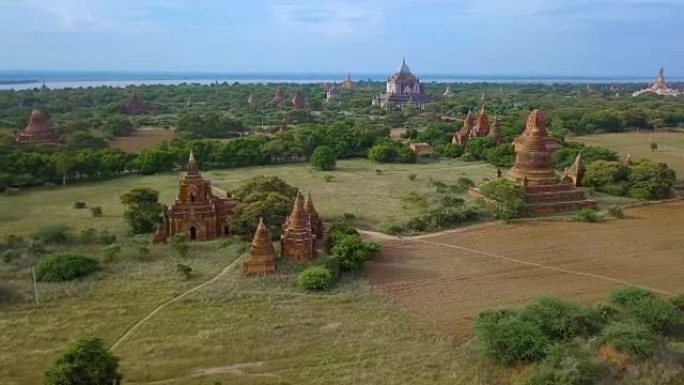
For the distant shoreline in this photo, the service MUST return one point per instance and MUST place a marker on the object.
(26, 80)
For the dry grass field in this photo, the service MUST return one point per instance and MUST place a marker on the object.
(372, 192)
(144, 137)
(670, 146)
(447, 279)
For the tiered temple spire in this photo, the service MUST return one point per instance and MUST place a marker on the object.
(38, 131)
(314, 218)
(261, 258)
(575, 173)
(537, 120)
(297, 239)
(495, 130)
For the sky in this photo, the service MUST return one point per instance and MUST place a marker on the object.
(466, 37)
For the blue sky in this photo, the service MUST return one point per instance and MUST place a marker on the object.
(489, 37)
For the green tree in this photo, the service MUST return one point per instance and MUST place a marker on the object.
(119, 125)
(179, 245)
(651, 180)
(477, 147)
(323, 158)
(505, 199)
(86, 361)
(142, 209)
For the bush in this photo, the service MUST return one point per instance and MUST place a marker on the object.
(602, 173)
(412, 177)
(630, 337)
(568, 364)
(86, 361)
(53, 234)
(651, 180)
(323, 158)
(678, 301)
(560, 320)
(143, 210)
(616, 212)
(65, 267)
(391, 152)
(338, 231)
(505, 199)
(502, 156)
(352, 253)
(659, 315)
(315, 278)
(96, 211)
(586, 215)
(328, 178)
(184, 270)
(79, 205)
(449, 150)
(179, 245)
(478, 147)
(506, 337)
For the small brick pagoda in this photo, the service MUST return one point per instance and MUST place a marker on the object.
(297, 240)
(533, 170)
(136, 107)
(39, 131)
(298, 101)
(537, 119)
(348, 84)
(575, 173)
(261, 259)
(461, 137)
(196, 211)
(481, 128)
(279, 97)
(495, 131)
(478, 128)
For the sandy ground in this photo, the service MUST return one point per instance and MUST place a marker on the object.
(447, 279)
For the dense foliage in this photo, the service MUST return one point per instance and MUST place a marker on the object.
(64, 267)
(644, 180)
(143, 210)
(86, 361)
(315, 278)
(505, 199)
(323, 158)
(269, 198)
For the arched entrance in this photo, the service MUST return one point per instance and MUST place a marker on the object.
(193, 233)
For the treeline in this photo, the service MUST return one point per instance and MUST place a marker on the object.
(55, 165)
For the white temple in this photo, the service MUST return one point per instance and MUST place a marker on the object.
(660, 87)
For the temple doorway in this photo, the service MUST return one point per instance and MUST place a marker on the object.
(193, 233)
(226, 230)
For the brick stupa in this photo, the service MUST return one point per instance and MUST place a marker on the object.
(481, 127)
(136, 107)
(495, 131)
(297, 241)
(537, 119)
(461, 137)
(39, 131)
(197, 211)
(533, 170)
(261, 259)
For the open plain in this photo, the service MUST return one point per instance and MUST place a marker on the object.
(447, 279)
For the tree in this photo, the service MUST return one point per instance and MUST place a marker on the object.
(651, 180)
(262, 197)
(602, 173)
(477, 147)
(118, 125)
(86, 361)
(323, 158)
(142, 209)
(505, 199)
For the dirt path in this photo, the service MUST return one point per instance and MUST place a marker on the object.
(156, 310)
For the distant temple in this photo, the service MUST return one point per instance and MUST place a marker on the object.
(533, 170)
(39, 131)
(332, 93)
(261, 260)
(297, 240)
(348, 84)
(478, 128)
(278, 98)
(196, 211)
(660, 87)
(136, 107)
(536, 119)
(298, 100)
(447, 93)
(403, 89)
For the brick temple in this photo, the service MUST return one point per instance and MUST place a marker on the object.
(546, 193)
(198, 211)
(39, 131)
(297, 240)
(136, 107)
(478, 128)
(537, 119)
(261, 258)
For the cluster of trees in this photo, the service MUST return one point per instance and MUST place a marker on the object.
(562, 340)
(644, 180)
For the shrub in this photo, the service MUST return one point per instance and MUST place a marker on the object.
(79, 205)
(505, 199)
(565, 157)
(678, 301)
(616, 212)
(179, 245)
(323, 158)
(586, 215)
(86, 361)
(315, 278)
(630, 337)
(602, 173)
(502, 156)
(464, 183)
(560, 320)
(338, 231)
(478, 147)
(568, 364)
(659, 315)
(352, 253)
(184, 270)
(412, 177)
(506, 337)
(449, 150)
(96, 211)
(328, 178)
(468, 157)
(53, 234)
(651, 180)
(391, 152)
(65, 267)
